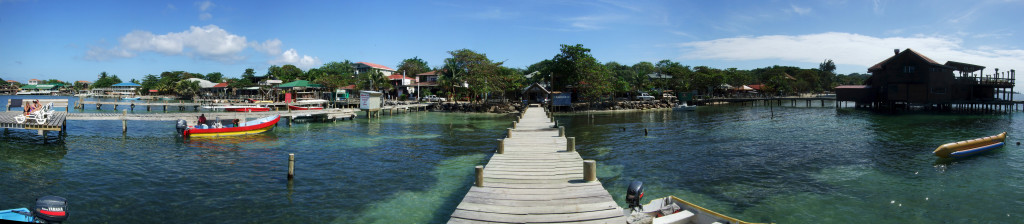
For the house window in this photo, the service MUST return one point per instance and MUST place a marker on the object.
(939, 90)
(908, 69)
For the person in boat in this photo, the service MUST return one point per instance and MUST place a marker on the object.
(235, 122)
(202, 119)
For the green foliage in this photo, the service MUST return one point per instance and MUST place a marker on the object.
(187, 88)
(827, 74)
(373, 80)
(413, 66)
(106, 80)
(333, 74)
(575, 67)
(149, 82)
(215, 77)
(474, 69)
(286, 73)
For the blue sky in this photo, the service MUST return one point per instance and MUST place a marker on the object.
(76, 40)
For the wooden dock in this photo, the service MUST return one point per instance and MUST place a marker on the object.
(537, 177)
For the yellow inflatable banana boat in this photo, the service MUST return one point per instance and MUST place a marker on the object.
(970, 147)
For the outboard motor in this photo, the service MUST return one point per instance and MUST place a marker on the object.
(634, 194)
(51, 209)
(181, 126)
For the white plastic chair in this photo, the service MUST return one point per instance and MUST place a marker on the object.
(40, 116)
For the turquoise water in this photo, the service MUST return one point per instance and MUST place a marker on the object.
(807, 165)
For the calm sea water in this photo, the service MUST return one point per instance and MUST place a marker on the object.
(807, 165)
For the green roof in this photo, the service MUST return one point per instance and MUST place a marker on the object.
(300, 83)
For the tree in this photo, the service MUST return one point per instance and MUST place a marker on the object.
(373, 80)
(249, 74)
(215, 77)
(474, 69)
(149, 82)
(827, 74)
(575, 67)
(413, 66)
(106, 80)
(187, 88)
(333, 74)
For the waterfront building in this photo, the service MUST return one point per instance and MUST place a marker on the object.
(909, 79)
(126, 88)
(34, 81)
(363, 67)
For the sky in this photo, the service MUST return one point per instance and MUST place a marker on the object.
(76, 40)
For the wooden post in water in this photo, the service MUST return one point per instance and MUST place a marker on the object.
(589, 170)
(561, 131)
(291, 165)
(124, 122)
(479, 176)
(509, 133)
(570, 145)
(501, 146)
(513, 124)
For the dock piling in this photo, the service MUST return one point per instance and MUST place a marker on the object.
(561, 131)
(291, 165)
(479, 176)
(509, 133)
(501, 146)
(570, 145)
(124, 121)
(589, 170)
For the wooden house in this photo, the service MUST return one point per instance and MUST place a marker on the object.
(910, 79)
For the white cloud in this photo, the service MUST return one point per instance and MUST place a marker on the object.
(204, 9)
(591, 22)
(847, 48)
(270, 47)
(205, 5)
(292, 57)
(799, 10)
(208, 42)
(879, 6)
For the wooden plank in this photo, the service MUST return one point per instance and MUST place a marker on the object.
(539, 209)
(537, 218)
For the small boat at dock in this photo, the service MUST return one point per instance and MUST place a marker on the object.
(684, 107)
(48, 209)
(249, 127)
(131, 98)
(245, 108)
(669, 210)
(304, 108)
(970, 147)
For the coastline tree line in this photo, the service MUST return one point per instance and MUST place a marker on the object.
(467, 74)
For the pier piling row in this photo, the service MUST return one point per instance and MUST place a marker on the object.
(537, 177)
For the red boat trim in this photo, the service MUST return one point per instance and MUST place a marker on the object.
(234, 129)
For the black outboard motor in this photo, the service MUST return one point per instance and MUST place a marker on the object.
(634, 194)
(181, 126)
(51, 209)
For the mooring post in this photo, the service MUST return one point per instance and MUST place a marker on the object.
(124, 121)
(291, 165)
(570, 145)
(645, 131)
(479, 176)
(561, 131)
(509, 133)
(555, 123)
(589, 170)
(501, 146)
(513, 124)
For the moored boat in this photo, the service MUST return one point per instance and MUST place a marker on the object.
(246, 108)
(48, 209)
(249, 127)
(684, 107)
(669, 210)
(970, 147)
(131, 98)
(304, 108)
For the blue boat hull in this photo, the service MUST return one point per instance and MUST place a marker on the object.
(17, 214)
(975, 151)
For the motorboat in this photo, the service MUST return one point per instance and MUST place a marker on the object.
(669, 210)
(218, 129)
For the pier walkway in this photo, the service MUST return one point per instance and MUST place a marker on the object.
(537, 177)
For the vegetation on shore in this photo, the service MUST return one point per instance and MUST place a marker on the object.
(470, 74)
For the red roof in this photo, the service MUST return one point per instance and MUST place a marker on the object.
(221, 85)
(372, 65)
(82, 81)
(154, 91)
(397, 77)
(349, 87)
(11, 81)
(428, 73)
(756, 87)
(34, 80)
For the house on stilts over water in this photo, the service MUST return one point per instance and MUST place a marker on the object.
(911, 81)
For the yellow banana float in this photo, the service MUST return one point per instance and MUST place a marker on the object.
(970, 147)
